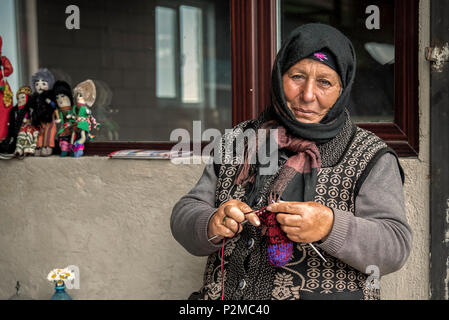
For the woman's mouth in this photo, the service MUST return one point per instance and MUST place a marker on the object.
(301, 110)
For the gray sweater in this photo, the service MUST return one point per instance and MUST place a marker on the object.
(377, 234)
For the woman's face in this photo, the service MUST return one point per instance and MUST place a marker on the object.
(311, 89)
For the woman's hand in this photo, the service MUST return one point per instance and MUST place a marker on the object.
(303, 221)
(226, 221)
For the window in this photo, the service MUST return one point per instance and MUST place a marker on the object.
(397, 121)
(191, 54)
(190, 76)
(165, 52)
(373, 90)
(160, 65)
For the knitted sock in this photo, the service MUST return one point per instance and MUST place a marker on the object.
(280, 248)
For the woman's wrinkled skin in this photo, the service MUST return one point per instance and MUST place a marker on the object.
(311, 89)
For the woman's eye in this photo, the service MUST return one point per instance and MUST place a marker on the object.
(325, 83)
(297, 76)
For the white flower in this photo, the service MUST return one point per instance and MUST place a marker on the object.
(52, 276)
(67, 274)
(60, 275)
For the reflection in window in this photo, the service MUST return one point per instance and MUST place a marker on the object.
(373, 90)
(165, 52)
(145, 89)
(191, 53)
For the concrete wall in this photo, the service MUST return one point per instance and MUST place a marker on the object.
(111, 218)
(108, 217)
(412, 281)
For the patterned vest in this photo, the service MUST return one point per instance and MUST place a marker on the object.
(346, 161)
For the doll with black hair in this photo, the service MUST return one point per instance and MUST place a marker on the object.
(19, 114)
(42, 84)
(64, 99)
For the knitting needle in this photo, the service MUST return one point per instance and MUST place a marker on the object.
(316, 250)
(311, 245)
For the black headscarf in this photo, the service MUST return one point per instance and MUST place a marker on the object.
(301, 43)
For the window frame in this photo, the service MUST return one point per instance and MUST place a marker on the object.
(254, 48)
(169, 102)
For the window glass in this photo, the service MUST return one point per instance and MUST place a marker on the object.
(191, 54)
(158, 65)
(165, 52)
(370, 27)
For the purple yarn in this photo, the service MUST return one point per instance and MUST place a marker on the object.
(279, 254)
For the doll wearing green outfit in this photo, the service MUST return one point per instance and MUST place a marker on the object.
(85, 95)
(65, 116)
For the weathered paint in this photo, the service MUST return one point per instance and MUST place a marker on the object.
(438, 56)
(439, 151)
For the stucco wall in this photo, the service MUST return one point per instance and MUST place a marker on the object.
(412, 281)
(111, 219)
(108, 217)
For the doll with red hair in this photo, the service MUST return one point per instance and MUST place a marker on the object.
(5, 93)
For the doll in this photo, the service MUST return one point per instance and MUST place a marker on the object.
(85, 95)
(46, 110)
(16, 117)
(28, 133)
(64, 99)
(5, 93)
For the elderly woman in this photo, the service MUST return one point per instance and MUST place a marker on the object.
(335, 220)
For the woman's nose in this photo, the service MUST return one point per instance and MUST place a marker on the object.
(308, 94)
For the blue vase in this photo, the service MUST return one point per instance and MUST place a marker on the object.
(60, 293)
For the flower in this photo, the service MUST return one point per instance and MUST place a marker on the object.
(60, 276)
(320, 56)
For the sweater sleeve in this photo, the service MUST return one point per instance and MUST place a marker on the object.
(378, 233)
(191, 214)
